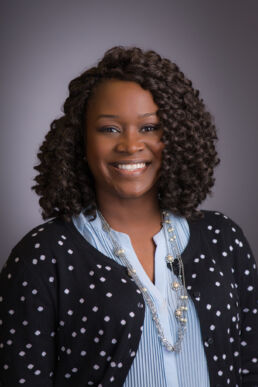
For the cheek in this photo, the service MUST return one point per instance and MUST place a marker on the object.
(157, 149)
(95, 149)
(97, 154)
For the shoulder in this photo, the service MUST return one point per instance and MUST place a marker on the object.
(223, 236)
(217, 222)
(45, 235)
(44, 244)
(217, 217)
(30, 267)
(38, 260)
(218, 231)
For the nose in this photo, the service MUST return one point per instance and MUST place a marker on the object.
(130, 142)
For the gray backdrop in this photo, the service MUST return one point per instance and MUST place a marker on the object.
(47, 43)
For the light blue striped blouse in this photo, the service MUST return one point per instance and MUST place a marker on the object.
(153, 365)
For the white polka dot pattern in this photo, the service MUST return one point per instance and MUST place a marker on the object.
(225, 297)
(60, 304)
(71, 306)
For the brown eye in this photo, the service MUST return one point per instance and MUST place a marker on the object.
(150, 128)
(108, 129)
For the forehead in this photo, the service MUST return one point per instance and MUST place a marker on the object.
(113, 96)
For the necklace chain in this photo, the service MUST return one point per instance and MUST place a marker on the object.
(174, 260)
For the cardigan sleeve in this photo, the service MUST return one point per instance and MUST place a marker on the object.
(247, 283)
(27, 330)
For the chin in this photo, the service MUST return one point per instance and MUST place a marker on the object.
(127, 194)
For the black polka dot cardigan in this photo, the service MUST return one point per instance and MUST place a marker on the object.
(71, 316)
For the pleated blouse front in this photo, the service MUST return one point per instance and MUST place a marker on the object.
(153, 365)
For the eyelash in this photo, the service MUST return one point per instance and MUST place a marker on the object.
(114, 130)
(153, 127)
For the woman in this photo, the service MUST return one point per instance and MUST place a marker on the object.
(129, 284)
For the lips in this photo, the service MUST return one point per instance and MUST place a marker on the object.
(130, 166)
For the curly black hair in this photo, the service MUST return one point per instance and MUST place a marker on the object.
(65, 184)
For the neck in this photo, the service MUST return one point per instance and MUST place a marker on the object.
(127, 215)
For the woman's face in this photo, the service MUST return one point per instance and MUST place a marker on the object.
(123, 140)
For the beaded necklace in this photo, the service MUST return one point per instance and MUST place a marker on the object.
(174, 260)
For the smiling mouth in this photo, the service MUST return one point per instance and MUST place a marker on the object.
(130, 167)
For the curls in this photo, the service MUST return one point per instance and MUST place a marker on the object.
(65, 184)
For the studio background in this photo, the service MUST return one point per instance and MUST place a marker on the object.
(44, 44)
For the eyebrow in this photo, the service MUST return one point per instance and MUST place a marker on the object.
(115, 116)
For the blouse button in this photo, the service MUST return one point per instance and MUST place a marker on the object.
(210, 340)
(197, 294)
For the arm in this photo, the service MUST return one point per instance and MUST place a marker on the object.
(27, 318)
(247, 281)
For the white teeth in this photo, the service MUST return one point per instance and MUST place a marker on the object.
(131, 167)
